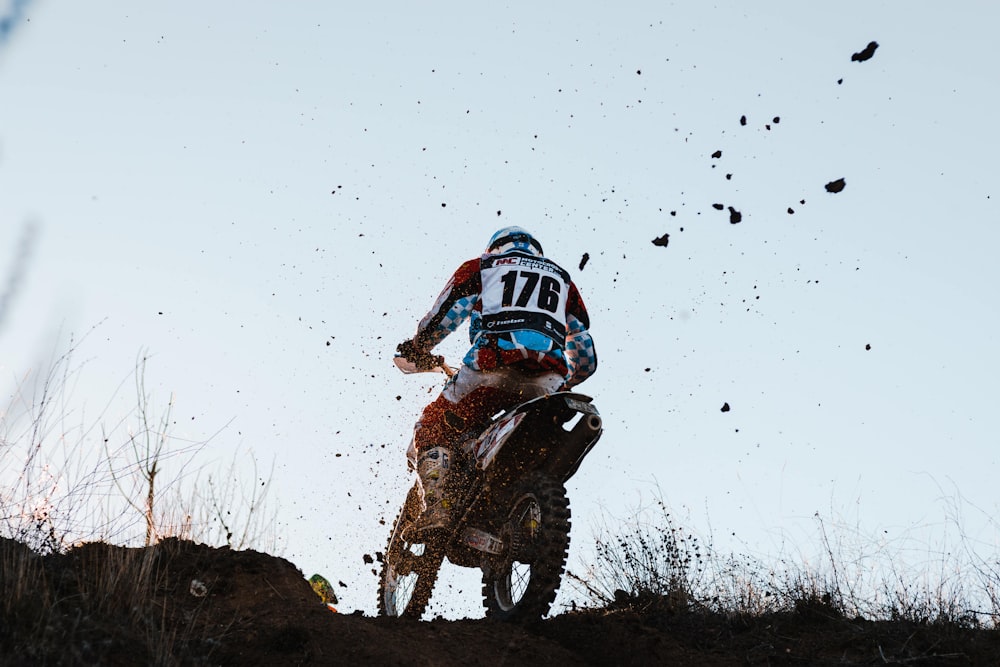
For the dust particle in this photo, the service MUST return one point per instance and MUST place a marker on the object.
(743, 120)
(791, 211)
(584, 260)
(718, 207)
(725, 407)
(662, 241)
(735, 217)
(717, 154)
(836, 186)
(868, 346)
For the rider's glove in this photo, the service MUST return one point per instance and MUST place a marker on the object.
(407, 349)
(424, 361)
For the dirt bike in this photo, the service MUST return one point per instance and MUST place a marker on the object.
(511, 519)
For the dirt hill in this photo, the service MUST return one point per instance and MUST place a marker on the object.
(183, 603)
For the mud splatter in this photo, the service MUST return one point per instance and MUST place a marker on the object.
(584, 260)
(866, 53)
(735, 217)
(836, 186)
(662, 241)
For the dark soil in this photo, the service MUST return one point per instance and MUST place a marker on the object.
(183, 603)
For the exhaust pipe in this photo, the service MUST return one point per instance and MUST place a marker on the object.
(585, 430)
(594, 423)
(573, 446)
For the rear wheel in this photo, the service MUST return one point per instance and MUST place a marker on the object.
(520, 584)
(409, 570)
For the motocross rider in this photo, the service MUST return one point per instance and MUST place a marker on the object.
(529, 334)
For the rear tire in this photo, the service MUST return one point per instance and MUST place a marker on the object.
(520, 584)
(409, 570)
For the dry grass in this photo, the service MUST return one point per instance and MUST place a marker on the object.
(649, 560)
(75, 605)
(69, 488)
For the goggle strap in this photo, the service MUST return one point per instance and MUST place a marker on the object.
(517, 238)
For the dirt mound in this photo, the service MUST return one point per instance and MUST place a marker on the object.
(183, 603)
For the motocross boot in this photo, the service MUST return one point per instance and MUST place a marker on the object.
(433, 466)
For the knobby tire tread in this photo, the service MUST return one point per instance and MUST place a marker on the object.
(551, 547)
(425, 580)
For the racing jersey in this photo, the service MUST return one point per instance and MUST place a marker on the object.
(523, 311)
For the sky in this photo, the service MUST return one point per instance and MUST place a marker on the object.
(265, 199)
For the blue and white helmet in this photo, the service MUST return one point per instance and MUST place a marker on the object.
(513, 238)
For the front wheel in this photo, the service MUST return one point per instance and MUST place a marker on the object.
(520, 584)
(409, 570)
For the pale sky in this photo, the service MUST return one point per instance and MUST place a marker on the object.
(268, 197)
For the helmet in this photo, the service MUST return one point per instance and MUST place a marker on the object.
(513, 238)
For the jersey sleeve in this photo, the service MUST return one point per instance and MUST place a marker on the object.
(581, 355)
(453, 306)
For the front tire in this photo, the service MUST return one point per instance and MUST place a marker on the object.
(520, 584)
(409, 570)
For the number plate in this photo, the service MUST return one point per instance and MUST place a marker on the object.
(491, 441)
(580, 406)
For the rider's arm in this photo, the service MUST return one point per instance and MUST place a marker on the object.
(452, 307)
(581, 356)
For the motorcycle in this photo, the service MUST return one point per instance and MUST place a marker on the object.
(511, 518)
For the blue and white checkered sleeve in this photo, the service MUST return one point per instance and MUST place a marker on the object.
(459, 312)
(581, 357)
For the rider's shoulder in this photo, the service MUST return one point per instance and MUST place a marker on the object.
(467, 269)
